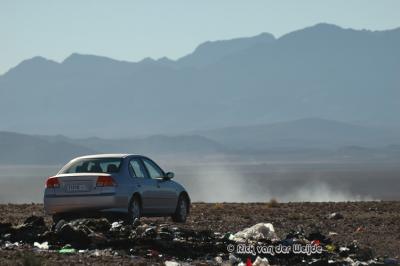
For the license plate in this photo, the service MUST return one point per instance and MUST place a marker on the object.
(76, 188)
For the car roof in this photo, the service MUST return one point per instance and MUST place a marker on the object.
(107, 155)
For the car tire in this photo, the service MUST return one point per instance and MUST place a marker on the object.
(135, 209)
(182, 210)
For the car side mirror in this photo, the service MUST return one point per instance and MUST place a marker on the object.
(169, 175)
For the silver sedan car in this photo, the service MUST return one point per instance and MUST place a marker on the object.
(128, 183)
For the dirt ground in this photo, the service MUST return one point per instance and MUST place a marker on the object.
(375, 225)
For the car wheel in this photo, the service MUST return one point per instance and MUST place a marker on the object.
(181, 211)
(135, 209)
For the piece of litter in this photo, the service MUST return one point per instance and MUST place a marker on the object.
(44, 245)
(67, 249)
(260, 231)
(261, 262)
(171, 263)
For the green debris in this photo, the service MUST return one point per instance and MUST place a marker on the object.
(67, 249)
(330, 248)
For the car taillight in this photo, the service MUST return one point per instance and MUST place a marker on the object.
(105, 181)
(52, 182)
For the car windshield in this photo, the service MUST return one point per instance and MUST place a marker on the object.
(93, 165)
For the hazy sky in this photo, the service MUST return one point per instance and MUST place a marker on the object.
(132, 30)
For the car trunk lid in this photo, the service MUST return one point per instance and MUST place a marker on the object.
(79, 184)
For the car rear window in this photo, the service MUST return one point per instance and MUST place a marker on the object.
(97, 165)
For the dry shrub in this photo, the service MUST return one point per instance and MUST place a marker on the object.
(218, 206)
(273, 203)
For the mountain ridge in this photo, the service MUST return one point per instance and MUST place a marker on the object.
(323, 70)
(317, 26)
(304, 139)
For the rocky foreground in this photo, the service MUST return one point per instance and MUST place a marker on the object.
(362, 233)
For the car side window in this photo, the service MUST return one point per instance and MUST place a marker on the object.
(153, 170)
(136, 169)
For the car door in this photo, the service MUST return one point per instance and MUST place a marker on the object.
(144, 184)
(164, 194)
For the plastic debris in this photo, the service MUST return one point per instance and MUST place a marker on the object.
(315, 242)
(149, 232)
(152, 253)
(115, 226)
(261, 262)
(9, 245)
(162, 243)
(335, 216)
(67, 249)
(136, 222)
(218, 260)
(359, 229)
(171, 263)
(233, 259)
(44, 245)
(260, 231)
(330, 248)
(391, 261)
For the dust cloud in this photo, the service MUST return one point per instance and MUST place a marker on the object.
(224, 184)
(227, 182)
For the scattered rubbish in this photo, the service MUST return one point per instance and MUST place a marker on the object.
(171, 263)
(74, 233)
(344, 251)
(261, 262)
(314, 236)
(152, 253)
(28, 230)
(150, 232)
(44, 245)
(136, 222)
(97, 239)
(260, 231)
(36, 221)
(391, 261)
(96, 253)
(335, 216)
(359, 229)
(315, 242)
(116, 225)
(218, 260)
(233, 259)
(67, 249)
(174, 245)
(98, 224)
(9, 245)
(330, 248)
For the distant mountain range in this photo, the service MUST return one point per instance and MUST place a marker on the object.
(321, 71)
(310, 133)
(18, 148)
(25, 149)
(304, 139)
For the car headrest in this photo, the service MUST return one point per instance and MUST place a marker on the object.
(96, 169)
(112, 168)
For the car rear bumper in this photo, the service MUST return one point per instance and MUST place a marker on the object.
(60, 204)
